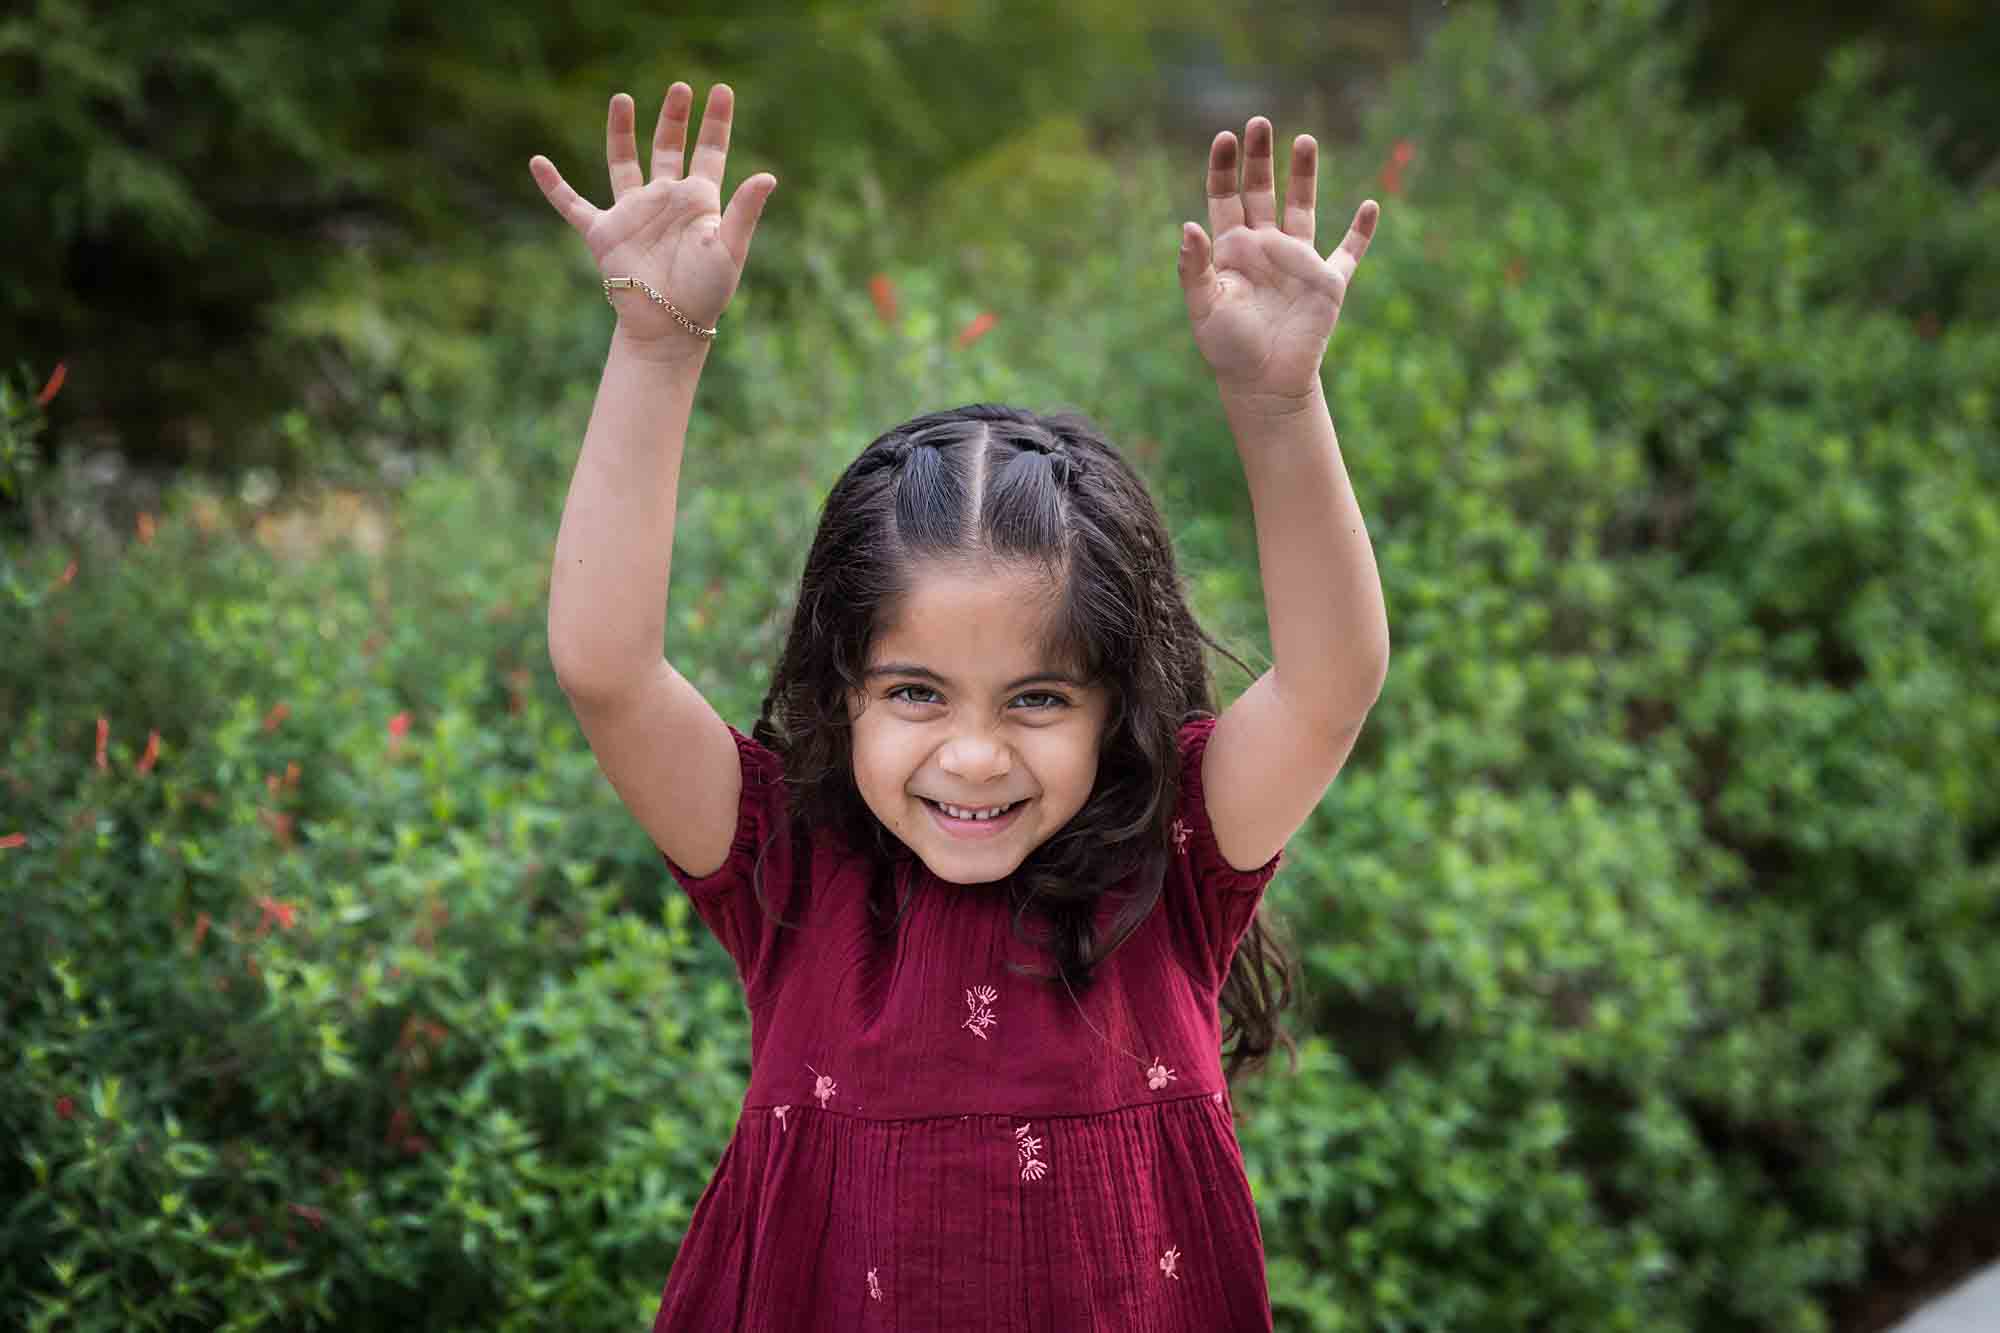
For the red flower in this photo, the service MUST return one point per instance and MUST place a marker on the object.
(280, 825)
(1392, 170)
(14, 840)
(65, 1107)
(977, 329)
(54, 386)
(884, 293)
(418, 1031)
(399, 1127)
(103, 737)
(278, 713)
(284, 913)
(152, 754)
(201, 924)
(399, 725)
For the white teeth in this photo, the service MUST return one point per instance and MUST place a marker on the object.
(960, 812)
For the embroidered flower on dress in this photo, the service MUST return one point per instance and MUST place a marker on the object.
(874, 1287)
(1180, 835)
(1218, 1099)
(979, 1000)
(823, 1087)
(1158, 1076)
(1170, 1261)
(1032, 1166)
(779, 1111)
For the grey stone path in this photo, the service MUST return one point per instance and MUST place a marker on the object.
(1973, 1306)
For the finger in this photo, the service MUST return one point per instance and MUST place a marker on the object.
(1260, 196)
(1344, 260)
(576, 210)
(621, 152)
(711, 151)
(670, 135)
(1196, 273)
(739, 220)
(1301, 189)
(1225, 205)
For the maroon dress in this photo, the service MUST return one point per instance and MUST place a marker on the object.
(930, 1141)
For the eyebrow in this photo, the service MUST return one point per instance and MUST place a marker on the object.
(925, 673)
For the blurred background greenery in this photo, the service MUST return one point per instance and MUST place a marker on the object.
(1652, 936)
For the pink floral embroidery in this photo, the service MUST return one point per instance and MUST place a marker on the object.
(1180, 835)
(1032, 1166)
(823, 1087)
(1158, 1076)
(1170, 1261)
(874, 1287)
(1218, 1099)
(980, 1000)
(779, 1111)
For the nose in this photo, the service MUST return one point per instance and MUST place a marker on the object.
(975, 759)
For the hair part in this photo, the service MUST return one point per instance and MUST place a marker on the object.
(990, 482)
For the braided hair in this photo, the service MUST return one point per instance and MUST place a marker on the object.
(1018, 486)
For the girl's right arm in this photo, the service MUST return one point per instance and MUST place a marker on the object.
(663, 747)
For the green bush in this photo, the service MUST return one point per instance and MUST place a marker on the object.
(1655, 916)
(1650, 933)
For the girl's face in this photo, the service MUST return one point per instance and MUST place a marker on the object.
(961, 710)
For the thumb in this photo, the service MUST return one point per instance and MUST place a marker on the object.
(739, 220)
(1197, 276)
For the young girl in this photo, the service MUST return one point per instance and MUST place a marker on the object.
(987, 863)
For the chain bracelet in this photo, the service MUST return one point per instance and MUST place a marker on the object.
(626, 284)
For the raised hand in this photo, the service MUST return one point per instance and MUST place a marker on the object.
(670, 231)
(1262, 301)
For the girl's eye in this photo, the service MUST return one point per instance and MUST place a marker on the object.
(1037, 701)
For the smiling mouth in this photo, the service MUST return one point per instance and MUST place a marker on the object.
(965, 814)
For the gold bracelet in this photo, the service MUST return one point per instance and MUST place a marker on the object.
(626, 284)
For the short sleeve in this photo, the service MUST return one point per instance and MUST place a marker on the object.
(727, 900)
(1213, 902)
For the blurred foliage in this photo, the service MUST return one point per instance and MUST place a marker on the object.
(23, 419)
(1654, 956)
(1767, 59)
(179, 172)
(193, 183)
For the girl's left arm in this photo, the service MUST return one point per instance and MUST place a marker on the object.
(1281, 743)
(1263, 304)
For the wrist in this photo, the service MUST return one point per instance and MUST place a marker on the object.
(676, 349)
(1269, 404)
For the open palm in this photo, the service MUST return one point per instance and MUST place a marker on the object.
(670, 231)
(1261, 300)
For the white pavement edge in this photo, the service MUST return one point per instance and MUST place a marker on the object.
(1973, 1306)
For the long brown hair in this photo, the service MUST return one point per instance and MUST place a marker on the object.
(1051, 489)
